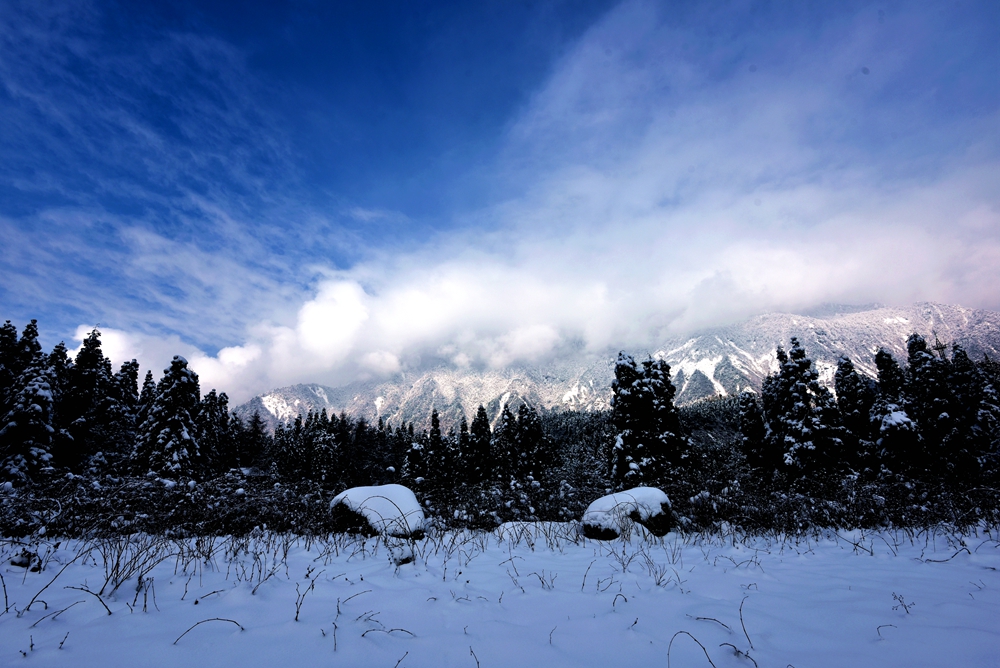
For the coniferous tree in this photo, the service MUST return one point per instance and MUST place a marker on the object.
(803, 423)
(451, 472)
(931, 404)
(897, 445)
(415, 466)
(250, 442)
(60, 370)
(127, 382)
(626, 416)
(168, 444)
(95, 411)
(989, 419)
(752, 434)
(8, 357)
(460, 452)
(317, 449)
(975, 417)
(535, 455)
(435, 455)
(538, 465)
(503, 447)
(61, 367)
(26, 431)
(146, 397)
(856, 395)
(650, 447)
(28, 350)
(477, 457)
(212, 422)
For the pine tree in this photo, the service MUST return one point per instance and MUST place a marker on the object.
(288, 452)
(752, 435)
(415, 466)
(435, 456)
(989, 420)
(61, 367)
(213, 435)
(650, 446)
(127, 382)
(99, 421)
(168, 444)
(26, 431)
(450, 472)
(535, 456)
(975, 417)
(8, 353)
(931, 404)
(146, 398)
(503, 447)
(855, 398)
(897, 445)
(8, 373)
(28, 351)
(477, 457)
(537, 461)
(60, 372)
(460, 453)
(252, 444)
(802, 420)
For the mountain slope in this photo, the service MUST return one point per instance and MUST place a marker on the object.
(717, 361)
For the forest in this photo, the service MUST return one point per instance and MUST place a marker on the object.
(86, 451)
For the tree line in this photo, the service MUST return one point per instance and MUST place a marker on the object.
(916, 444)
(913, 445)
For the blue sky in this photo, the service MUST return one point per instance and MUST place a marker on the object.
(318, 192)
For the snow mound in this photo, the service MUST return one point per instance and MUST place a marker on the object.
(613, 515)
(391, 510)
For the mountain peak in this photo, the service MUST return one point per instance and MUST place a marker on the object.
(716, 361)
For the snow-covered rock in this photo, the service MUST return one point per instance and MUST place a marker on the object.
(612, 515)
(391, 510)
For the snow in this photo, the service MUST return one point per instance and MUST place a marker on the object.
(612, 512)
(390, 509)
(526, 595)
(896, 419)
(280, 408)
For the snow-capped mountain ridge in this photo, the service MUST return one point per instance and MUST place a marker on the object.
(718, 361)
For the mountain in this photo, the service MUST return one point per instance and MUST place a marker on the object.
(454, 392)
(716, 361)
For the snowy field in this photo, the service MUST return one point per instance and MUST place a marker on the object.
(528, 595)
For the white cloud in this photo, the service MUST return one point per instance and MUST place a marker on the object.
(659, 198)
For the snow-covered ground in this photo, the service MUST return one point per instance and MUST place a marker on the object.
(533, 595)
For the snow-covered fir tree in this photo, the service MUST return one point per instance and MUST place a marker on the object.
(649, 446)
(802, 420)
(214, 438)
(168, 444)
(26, 431)
(930, 402)
(503, 447)
(476, 457)
(8, 355)
(975, 417)
(897, 444)
(856, 394)
(95, 410)
(752, 434)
